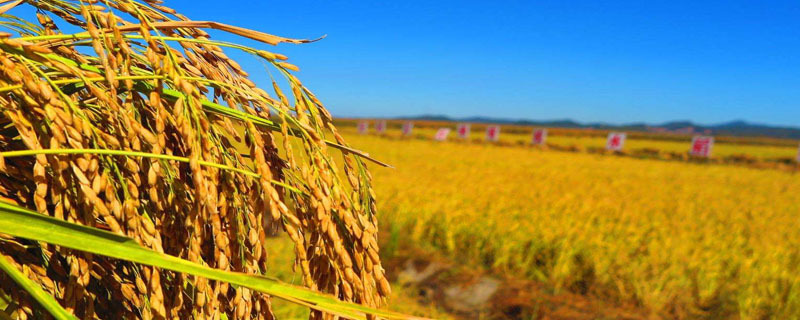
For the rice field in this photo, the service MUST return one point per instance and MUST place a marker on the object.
(685, 240)
(719, 150)
(144, 175)
(781, 149)
(150, 178)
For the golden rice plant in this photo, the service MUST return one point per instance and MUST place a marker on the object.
(683, 240)
(125, 193)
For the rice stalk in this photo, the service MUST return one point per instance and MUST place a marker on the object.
(142, 135)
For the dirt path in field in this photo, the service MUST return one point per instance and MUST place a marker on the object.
(468, 294)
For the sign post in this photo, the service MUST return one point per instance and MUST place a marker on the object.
(441, 134)
(363, 127)
(701, 146)
(463, 130)
(380, 126)
(407, 127)
(615, 142)
(539, 136)
(493, 133)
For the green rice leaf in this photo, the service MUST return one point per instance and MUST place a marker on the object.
(43, 298)
(23, 223)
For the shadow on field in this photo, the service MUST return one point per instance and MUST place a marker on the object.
(473, 294)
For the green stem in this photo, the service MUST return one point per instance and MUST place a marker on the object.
(47, 301)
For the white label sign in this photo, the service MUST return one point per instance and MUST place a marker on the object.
(441, 134)
(380, 126)
(615, 142)
(407, 127)
(701, 146)
(363, 127)
(463, 130)
(539, 136)
(492, 133)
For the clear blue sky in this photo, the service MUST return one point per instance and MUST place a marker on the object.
(653, 61)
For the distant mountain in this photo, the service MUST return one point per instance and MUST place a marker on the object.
(732, 128)
(743, 128)
(430, 117)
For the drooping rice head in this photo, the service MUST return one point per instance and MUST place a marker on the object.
(138, 76)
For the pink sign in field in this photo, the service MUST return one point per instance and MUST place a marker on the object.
(492, 133)
(615, 142)
(539, 137)
(380, 126)
(363, 127)
(441, 134)
(463, 130)
(701, 146)
(407, 127)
